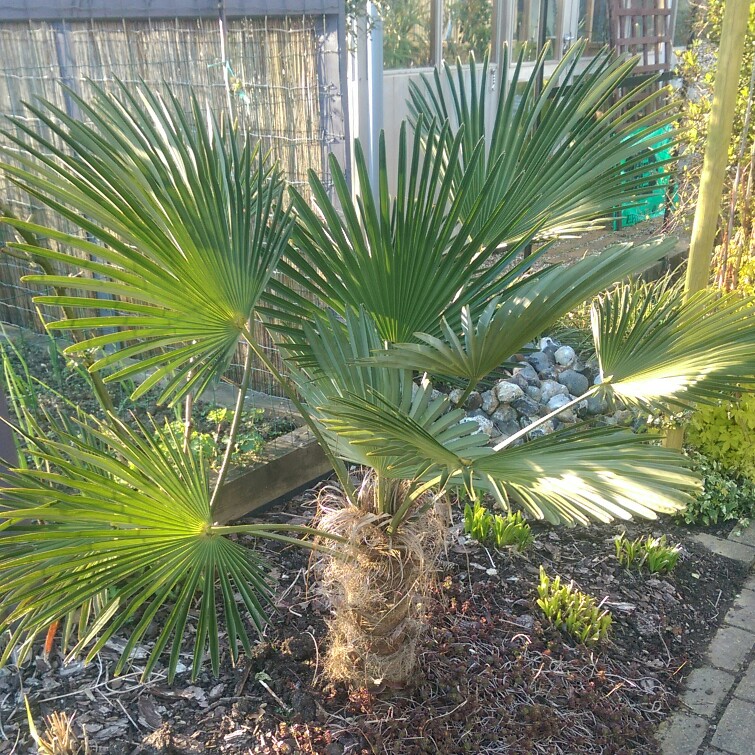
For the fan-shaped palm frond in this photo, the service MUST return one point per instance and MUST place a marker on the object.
(562, 159)
(417, 444)
(583, 474)
(191, 225)
(523, 312)
(404, 259)
(655, 349)
(130, 515)
(567, 476)
(346, 393)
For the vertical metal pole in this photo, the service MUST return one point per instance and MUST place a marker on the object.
(542, 39)
(366, 82)
(66, 64)
(496, 33)
(436, 33)
(343, 69)
(371, 94)
(333, 95)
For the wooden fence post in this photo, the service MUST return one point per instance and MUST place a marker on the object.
(715, 161)
(720, 126)
(8, 453)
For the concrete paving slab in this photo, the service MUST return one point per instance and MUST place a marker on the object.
(736, 729)
(746, 687)
(730, 647)
(742, 613)
(735, 550)
(706, 689)
(747, 536)
(682, 734)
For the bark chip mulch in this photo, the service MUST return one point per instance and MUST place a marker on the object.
(493, 677)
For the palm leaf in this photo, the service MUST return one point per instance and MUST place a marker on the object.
(406, 434)
(567, 476)
(190, 224)
(524, 311)
(655, 349)
(562, 159)
(129, 515)
(599, 473)
(426, 442)
(404, 258)
(345, 393)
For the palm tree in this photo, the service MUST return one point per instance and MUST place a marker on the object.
(198, 248)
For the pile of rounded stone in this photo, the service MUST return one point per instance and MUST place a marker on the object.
(542, 382)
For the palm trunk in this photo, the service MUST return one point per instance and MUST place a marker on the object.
(377, 584)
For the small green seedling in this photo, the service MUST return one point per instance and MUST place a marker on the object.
(627, 551)
(660, 558)
(496, 530)
(653, 552)
(568, 609)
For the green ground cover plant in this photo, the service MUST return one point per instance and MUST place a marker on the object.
(725, 495)
(725, 433)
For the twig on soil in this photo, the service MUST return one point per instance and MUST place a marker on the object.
(239, 688)
(133, 723)
(449, 712)
(15, 744)
(2, 730)
(317, 657)
(280, 702)
(668, 653)
(91, 688)
(282, 597)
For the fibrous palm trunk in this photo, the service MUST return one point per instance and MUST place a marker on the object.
(377, 583)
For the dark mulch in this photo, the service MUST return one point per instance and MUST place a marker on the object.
(492, 677)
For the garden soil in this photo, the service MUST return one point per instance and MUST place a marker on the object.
(493, 677)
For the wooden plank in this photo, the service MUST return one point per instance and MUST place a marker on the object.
(301, 462)
(643, 11)
(8, 452)
(59, 10)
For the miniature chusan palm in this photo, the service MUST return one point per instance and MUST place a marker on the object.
(195, 249)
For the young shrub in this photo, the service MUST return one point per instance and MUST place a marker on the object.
(568, 609)
(210, 436)
(725, 495)
(496, 530)
(726, 433)
(653, 552)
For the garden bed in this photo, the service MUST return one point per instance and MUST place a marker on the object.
(493, 677)
(57, 386)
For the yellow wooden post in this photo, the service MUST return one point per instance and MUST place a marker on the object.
(715, 161)
(720, 125)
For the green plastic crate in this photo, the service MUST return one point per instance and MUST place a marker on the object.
(652, 205)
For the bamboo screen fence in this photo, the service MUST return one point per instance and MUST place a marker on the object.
(266, 70)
